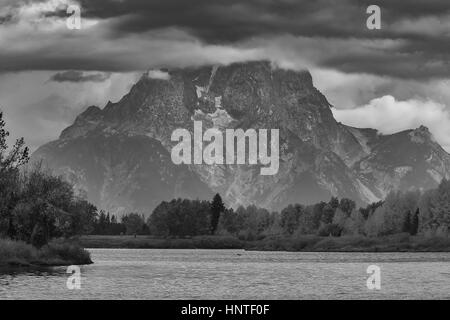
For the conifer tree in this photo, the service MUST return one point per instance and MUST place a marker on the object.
(407, 223)
(217, 207)
(415, 223)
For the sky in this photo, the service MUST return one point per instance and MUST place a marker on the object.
(393, 78)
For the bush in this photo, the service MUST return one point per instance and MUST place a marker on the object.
(66, 252)
(55, 253)
(305, 242)
(330, 229)
(16, 252)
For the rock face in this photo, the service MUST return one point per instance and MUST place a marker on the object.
(120, 155)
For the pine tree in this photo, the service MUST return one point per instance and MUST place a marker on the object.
(407, 223)
(415, 223)
(102, 222)
(217, 207)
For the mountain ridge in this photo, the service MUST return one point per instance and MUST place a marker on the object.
(319, 157)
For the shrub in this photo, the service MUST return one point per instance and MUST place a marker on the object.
(330, 229)
(58, 250)
(16, 252)
(55, 253)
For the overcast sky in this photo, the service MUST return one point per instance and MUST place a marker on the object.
(391, 79)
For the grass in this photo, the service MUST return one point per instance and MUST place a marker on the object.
(147, 242)
(310, 243)
(392, 243)
(56, 253)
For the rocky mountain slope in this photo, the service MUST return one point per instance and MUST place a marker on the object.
(120, 155)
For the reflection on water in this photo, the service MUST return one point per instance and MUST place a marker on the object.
(236, 274)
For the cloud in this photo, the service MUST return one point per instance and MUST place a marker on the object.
(351, 90)
(158, 74)
(131, 35)
(79, 76)
(428, 25)
(94, 50)
(231, 20)
(41, 109)
(389, 115)
(347, 91)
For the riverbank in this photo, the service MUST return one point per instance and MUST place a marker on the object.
(393, 243)
(56, 253)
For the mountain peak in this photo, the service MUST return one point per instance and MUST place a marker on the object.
(121, 154)
(421, 135)
(423, 129)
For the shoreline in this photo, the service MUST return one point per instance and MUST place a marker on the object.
(260, 250)
(395, 243)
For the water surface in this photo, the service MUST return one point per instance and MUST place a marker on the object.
(237, 274)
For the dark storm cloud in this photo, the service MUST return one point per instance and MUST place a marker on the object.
(228, 21)
(419, 29)
(5, 19)
(408, 8)
(232, 20)
(79, 76)
(396, 64)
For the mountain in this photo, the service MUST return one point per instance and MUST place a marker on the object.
(120, 155)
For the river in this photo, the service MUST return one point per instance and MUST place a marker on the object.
(236, 274)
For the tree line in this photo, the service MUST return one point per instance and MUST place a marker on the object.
(413, 212)
(179, 217)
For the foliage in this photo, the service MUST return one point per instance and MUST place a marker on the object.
(134, 223)
(290, 218)
(180, 218)
(217, 207)
(46, 207)
(247, 223)
(411, 212)
(16, 157)
(390, 217)
(107, 224)
(434, 208)
(331, 229)
(13, 252)
(36, 206)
